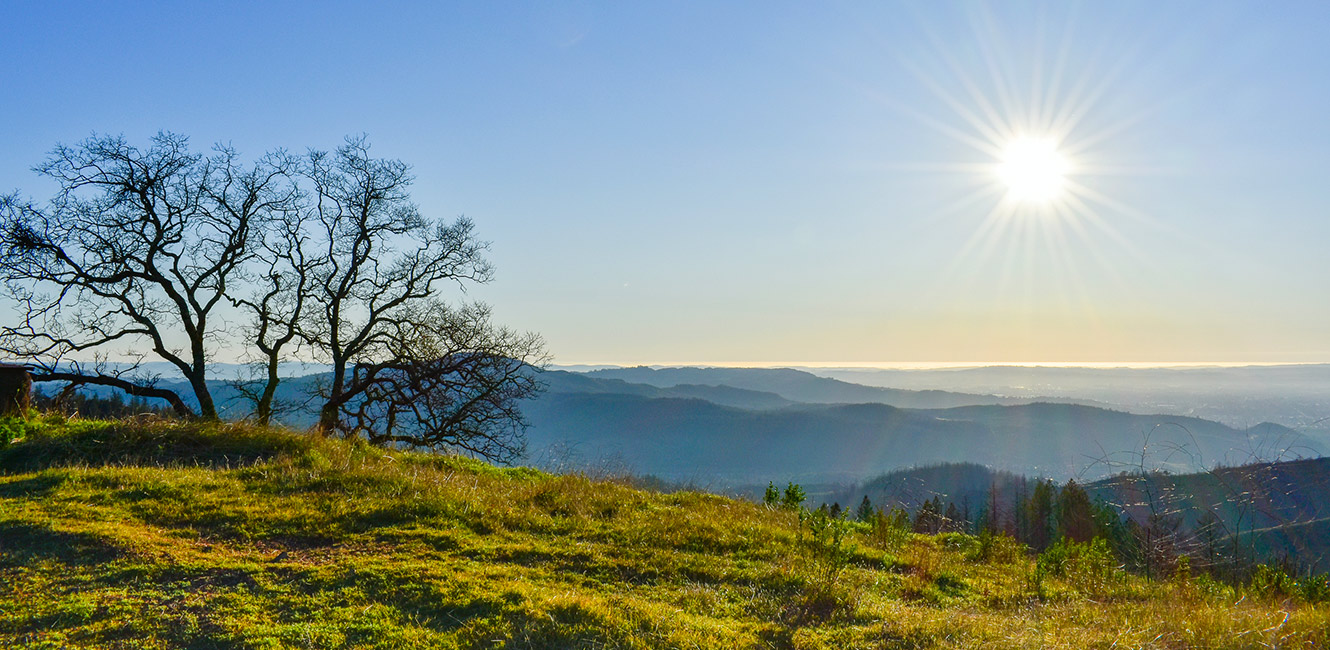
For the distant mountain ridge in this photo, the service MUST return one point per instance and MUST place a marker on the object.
(1295, 395)
(801, 386)
(560, 381)
(696, 440)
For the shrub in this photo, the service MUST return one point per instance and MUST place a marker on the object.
(997, 549)
(1213, 590)
(794, 496)
(11, 429)
(1271, 582)
(1275, 582)
(1315, 589)
(827, 536)
(888, 533)
(1182, 572)
(823, 597)
(1090, 566)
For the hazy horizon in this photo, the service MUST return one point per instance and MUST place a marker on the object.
(939, 365)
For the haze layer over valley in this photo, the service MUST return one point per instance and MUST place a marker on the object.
(1293, 395)
(726, 425)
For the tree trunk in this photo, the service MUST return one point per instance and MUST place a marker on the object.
(15, 391)
(328, 414)
(264, 408)
(207, 409)
(327, 419)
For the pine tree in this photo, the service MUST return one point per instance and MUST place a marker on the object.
(794, 496)
(1039, 516)
(1075, 519)
(865, 511)
(929, 517)
(953, 519)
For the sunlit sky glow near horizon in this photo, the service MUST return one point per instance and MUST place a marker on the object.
(770, 182)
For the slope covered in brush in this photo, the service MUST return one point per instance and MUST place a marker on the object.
(163, 535)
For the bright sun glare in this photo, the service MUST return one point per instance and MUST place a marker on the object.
(1032, 169)
(1033, 157)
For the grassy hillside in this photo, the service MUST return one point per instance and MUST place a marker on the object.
(158, 535)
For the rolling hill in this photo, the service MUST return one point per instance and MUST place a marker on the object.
(699, 441)
(1272, 511)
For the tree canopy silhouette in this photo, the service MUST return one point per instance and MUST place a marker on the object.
(161, 252)
(135, 251)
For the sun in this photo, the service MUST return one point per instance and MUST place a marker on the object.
(1033, 170)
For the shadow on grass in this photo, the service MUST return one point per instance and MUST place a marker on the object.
(27, 488)
(146, 441)
(25, 543)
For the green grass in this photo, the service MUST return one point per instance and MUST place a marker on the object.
(150, 534)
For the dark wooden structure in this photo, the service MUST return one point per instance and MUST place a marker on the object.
(15, 390)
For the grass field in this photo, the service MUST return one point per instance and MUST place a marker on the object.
(151, 534)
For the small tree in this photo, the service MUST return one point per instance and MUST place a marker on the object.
(276, 305)
(772, 496)
(928, 519)
(990, 518)
(1039, 515)
(1209, 532)
(952, 521)
(1075, 513)
(865, 511)
(794, 496)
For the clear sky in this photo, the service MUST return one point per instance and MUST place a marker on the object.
(806, 182)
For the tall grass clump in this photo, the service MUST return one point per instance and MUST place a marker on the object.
(1090, 568)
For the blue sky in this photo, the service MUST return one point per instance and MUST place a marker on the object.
(774, 182)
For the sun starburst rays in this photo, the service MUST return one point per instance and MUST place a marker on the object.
(1037, 134)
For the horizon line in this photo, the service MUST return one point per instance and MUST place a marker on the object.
(941, 365)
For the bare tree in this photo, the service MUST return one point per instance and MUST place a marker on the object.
(451, 379)
(136, 251)
(372, 312)
(276, 306)
(142, 251)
